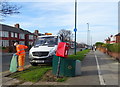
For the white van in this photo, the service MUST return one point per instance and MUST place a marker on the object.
(43, 49)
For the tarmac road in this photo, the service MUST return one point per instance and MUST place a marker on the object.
(6, 58)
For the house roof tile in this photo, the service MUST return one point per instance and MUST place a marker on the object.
(117, 34)
(14, 29)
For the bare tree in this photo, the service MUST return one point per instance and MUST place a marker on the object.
(6, 8)
(66, 35)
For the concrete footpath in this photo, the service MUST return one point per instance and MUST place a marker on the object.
(90, 73)
(108, 68)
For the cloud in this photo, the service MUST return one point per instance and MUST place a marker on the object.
(63, 0)
(53, 16)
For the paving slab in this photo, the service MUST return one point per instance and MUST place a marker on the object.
(50, 83)
(11, 82)
(5, 79)
(27, 83)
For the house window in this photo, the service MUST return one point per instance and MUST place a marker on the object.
(5, 34)
(22, 36)
(0, 43)
(31, 37)
(12, 34)
(30, 43)
(0, 33)
(22, 42)
(5, 43)
(35, 37)
(16, 35)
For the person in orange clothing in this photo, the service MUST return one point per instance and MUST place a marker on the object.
(21, 55)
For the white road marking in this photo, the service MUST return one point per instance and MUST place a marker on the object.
(99, 72)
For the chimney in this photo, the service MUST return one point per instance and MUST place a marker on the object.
(17, 25)
(36, 32)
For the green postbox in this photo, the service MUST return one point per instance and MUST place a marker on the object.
(67, 66)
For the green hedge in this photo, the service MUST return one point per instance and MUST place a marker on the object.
(2, 47)
(79, 55)
(110, 47)
(99, 44)
(113, 47)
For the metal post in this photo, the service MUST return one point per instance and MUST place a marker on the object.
(75, 22)
(88, 34)
(58, 67)
(91, 40)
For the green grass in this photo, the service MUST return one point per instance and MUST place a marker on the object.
(61, 79)
(36, 73)
(113, 47)
(79, 55)
(33, 74)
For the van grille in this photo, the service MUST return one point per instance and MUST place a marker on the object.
(40, 54)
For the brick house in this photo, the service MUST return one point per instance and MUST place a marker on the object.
(113, 39)
(117, 38)
(36, 32)
(107, 40)
(9, 34)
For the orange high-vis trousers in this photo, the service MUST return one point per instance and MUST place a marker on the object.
(21, 62)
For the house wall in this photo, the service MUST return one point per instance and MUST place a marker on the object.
(117, 39)
(10, 47)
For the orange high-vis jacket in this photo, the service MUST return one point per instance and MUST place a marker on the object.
(21, 49)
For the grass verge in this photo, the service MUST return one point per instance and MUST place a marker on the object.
(37, 73)
(33, 74)
(79, 55)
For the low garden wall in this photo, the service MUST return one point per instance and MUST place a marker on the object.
(112, 54)
(4, 49)
(10, 49)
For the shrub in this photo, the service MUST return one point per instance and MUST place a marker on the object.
(113, 47)
(79, 55)
(99, 44)
(2, 47)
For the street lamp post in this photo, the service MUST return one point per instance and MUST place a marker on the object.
(91, 40)
(88, 34)
(75, 23)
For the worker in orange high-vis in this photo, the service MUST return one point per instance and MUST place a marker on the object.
(21, 55)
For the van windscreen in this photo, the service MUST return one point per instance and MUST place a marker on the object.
(46, 41)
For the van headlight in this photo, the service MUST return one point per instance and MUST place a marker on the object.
(30, 55)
